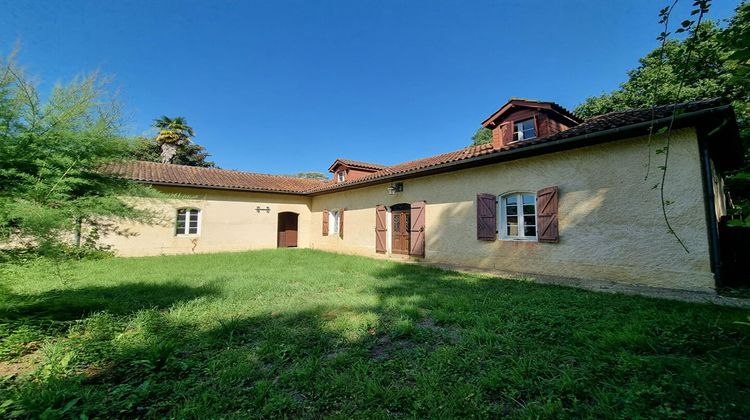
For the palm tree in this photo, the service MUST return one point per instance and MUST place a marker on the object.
(172, 133)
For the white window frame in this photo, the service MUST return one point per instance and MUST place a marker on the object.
(520, 134)
(186, 229)
(341, 176)
(503, 219)
(334, 218)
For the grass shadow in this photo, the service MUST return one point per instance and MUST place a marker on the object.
(364, 338)
(74, 303)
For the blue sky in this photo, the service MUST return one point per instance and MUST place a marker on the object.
(288, 86)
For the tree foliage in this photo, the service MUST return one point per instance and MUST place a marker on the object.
(173, 133)
(173, 130)
(186, 153)
(657, 79)
(310, 175)
(51, 155)
(481, 136)
(719, 66)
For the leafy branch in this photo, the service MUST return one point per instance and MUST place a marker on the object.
(691, 26)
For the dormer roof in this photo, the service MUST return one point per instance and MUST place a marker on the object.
(516, 103)
(354, 164)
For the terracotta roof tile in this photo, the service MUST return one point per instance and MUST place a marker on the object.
(159, 173)
(169, 174)
(591, 125)
(356, 164)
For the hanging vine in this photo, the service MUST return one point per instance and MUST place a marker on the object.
(701, 8)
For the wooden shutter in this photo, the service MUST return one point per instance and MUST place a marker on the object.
(507, 133)
(486, 217)
(416, 247)
(380, 229)
(325, 222)
(546, 215)
(341, 222)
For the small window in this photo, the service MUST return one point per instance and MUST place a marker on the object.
(188, 222)
(333, 222)
(524, 130)
(341, 176)
(518, 216)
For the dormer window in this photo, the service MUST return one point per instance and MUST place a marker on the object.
(349, 170)
(524, 130)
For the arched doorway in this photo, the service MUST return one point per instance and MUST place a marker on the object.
(287, 229)
(400, 228)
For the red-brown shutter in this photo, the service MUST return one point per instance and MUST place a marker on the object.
(546, 215)
(380, 229)
(325, 222)
(507, 128)
(341, 222)
(486, 217)
(417, 229)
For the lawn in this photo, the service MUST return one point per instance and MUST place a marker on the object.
(307, 333)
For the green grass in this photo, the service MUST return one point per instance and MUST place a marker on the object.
(306, 333)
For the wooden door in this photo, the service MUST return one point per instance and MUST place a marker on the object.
(287, 230)
(400, 235)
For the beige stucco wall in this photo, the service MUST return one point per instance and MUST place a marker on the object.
(229, 222)
(611, 226)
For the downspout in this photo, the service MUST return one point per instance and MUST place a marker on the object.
(709, 201)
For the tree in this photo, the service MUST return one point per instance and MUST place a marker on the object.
(481, 136)
(172, 134)
(51, 156)
(191, 154)
(719, 67)
(310, 175)
(656, 80)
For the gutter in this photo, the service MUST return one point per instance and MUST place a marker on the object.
(582, 140)
(494, 157)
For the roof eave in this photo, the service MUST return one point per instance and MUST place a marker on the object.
(612, 134)
(223, 188)
(339, 162)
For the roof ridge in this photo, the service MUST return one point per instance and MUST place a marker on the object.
(655, 107)
(359, 163)
(614, 119)
(173, 174)
(170, 165)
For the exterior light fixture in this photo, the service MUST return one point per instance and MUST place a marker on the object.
(260, 209)
(395, 188)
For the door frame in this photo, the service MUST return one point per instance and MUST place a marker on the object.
(392, 210)
(278, 229)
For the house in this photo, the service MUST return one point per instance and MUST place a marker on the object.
(551, 195)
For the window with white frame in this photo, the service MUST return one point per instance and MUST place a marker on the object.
(524, 130)
(188, 222)
(341, 176)
(333, 222)
(518, 216)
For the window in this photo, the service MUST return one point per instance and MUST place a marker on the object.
(518, 216)
(341, 176)
(334, 217)
(188, 222)
(524, 130)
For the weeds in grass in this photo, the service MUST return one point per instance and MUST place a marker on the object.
(305, 333)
